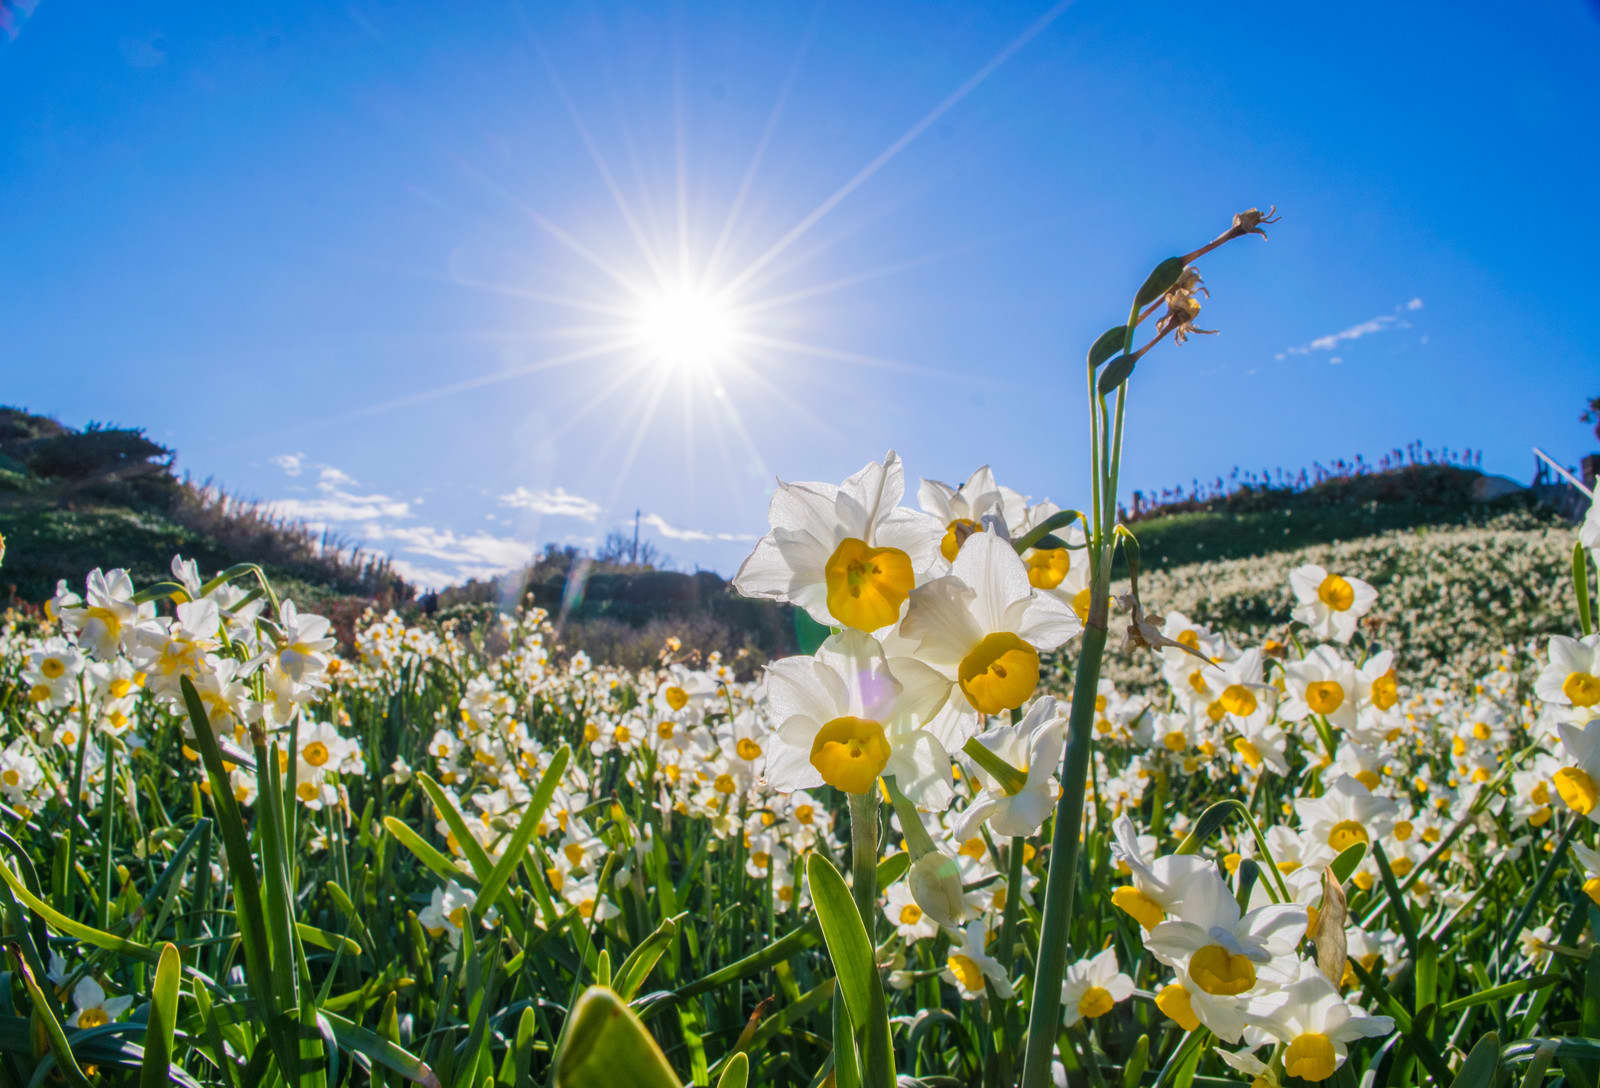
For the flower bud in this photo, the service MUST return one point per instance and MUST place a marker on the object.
(935, 880)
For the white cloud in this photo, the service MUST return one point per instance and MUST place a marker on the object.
(481, 551)
(1377, 324)
(293, 464)
(334, 500)
(673, 532)
(557, 502)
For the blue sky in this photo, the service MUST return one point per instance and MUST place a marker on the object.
(382, 263)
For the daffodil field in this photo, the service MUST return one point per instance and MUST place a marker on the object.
(943, 847)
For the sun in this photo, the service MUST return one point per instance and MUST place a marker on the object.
(686, 328)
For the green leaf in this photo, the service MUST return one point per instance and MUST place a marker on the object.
(1035, 536)
(46, 1017)
(1348, 861)
(1482, 1064)
(636, 968)
(851, 952)
(1160, 281)
(163, 1019)
(517, 848)
(1589, 1014)
(471, 848)
(605, 1045)
(1107, 344)
(378, 1050)
(1580, 584)
(424, 852)
(892, 868)
(736, 1073)
(1133, 1073)
(1116, 372)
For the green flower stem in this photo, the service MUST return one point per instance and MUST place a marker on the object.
(107, 828)
(1044, 1012)
(864, 857)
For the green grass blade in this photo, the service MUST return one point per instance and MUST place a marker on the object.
(163, 1020)
(605, 1045)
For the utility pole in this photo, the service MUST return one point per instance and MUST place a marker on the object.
(634, 561)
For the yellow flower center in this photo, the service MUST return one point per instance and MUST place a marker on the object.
(664, 730)
(803, 813)
(724, 783)
(1336, 593)
(93, 1018)
(866, 585)
(1175, 741)
(1248, 752)
(1173, 1001)
(1385, 691)
(1310, 1057)
(1139, 906)
(849, 753)
(120, 687)
(999, 673)
(1189, 638)
(1368, 779)
(973, 848)
(966, 970)
(1238, 700)
(591, 732)
(622, 734)
(1591, 888)
(1581, 688)
(747, 749)
(1047, 567)
(1346, 833)
(316, 753)
(1080, 603)
(1217, 971)
(307, 791)
(458, 917)
(1577, 789)
(1325, 696)
(1096, 1001)
(53, 668)
(676, 697)
(955, 535)
(910, 914)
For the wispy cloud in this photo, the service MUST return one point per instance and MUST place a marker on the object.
(1332, 340)
(556, 502)
(433, 557)
(673, 532)
(293, 464)
(334, 499)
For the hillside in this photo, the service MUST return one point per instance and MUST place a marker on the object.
(105, 496)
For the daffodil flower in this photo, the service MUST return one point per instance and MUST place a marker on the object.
(93, 1008)
(1315, 1022)
(1321, 683)
(961, 510)
(1033, 746)
(969, 966)
(1329, 604)
(1347, 813)
(1093, 987)
(1158, 884)
(1578, 782)
(1571, 679)
(1216, 947)
(983, 626)
(848, 554)
(849, 714)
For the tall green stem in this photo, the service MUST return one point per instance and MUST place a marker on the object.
(1044, 1012)
(864, 858)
